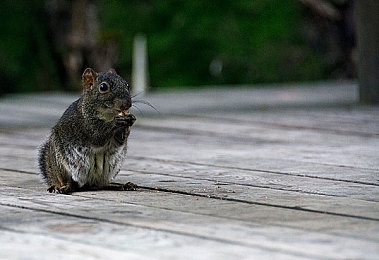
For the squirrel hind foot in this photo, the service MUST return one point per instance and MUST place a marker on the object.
(129, 186)
(60, 190)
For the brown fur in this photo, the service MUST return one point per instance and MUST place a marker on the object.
(87, 146)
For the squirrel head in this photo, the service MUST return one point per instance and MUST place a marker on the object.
(105, 94)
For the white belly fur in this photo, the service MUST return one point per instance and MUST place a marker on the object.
(98, 166)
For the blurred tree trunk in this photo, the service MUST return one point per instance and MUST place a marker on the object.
(75, 30)
(368, 49)
(332, 32)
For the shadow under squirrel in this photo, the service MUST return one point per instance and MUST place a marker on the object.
(87, 146)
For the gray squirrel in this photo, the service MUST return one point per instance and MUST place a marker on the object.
(87, 147)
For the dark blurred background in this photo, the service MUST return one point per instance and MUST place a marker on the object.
(46, 44)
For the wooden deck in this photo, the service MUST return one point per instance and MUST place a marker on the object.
(275, 173)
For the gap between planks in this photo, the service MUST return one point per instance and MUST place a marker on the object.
(235, 199)
(269, 248)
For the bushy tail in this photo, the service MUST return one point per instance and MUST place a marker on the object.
(42, 161)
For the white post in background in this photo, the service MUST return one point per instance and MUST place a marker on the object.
(140, 67)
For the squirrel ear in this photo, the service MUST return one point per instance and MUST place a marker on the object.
(88, 78)
(113, 71)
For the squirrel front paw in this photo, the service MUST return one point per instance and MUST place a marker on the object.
(127, 120)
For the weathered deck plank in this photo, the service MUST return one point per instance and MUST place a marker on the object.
(248, 235)
(267, 173)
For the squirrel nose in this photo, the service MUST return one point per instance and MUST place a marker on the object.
(125, 104)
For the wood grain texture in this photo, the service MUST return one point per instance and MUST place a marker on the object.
(280, 175)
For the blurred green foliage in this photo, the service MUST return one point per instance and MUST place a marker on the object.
(215, 42)
(190, 43)
(26, 60)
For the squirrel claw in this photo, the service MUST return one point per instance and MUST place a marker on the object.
(130, 186)
(59, 190)
(51, 189)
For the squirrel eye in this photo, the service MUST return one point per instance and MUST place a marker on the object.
(103, 87)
